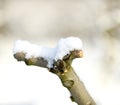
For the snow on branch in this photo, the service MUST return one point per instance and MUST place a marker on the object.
(45, 57)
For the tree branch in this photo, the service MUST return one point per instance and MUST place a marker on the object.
(36, 61)
(62, 68)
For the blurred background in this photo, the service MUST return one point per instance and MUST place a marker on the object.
(44, 22)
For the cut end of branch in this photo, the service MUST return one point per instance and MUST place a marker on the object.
(77, 53)
(20, 56)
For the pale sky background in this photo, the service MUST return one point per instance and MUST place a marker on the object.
(44, 22)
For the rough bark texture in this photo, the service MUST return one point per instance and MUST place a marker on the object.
(62, 68)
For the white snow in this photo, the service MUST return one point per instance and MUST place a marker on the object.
(64, 46)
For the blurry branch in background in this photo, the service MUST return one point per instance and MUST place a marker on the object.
(109, 23)
(111, 34)
(111, 37)
(63, 69)
(112, 4)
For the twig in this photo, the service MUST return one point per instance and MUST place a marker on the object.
(63, 69)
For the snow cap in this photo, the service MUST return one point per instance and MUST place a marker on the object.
(63, 47)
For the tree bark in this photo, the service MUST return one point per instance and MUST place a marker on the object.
(79, 94)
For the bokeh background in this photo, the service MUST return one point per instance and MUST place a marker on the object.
(44, 22)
